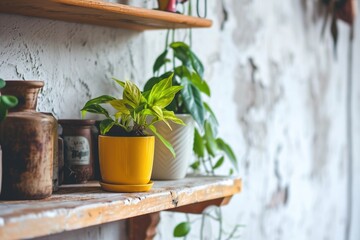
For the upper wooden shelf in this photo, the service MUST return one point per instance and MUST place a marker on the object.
(102, 13)
(78, 206)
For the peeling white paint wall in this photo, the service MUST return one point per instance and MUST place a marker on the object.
(278, 91)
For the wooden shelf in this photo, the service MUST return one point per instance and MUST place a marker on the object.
(102, 13)
(78, 206)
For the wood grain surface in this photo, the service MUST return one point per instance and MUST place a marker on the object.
(78, 206)
(102, 13)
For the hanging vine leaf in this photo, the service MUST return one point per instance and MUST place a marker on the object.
(219, 163)
(229, 152)
(182, 229)
(211, 118)
(196, 64)
(195, 165)
(181, 52)
(160, 61)
(199, 146)
(193, 103)
(211, 144)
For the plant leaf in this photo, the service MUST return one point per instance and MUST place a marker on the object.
(211, 118)
(2, 83)
(157, 89)
(121, 83)
(163, 140)
(195, 165)
(193, 103)
(181, 52)
(185, 75)
(160, 61)
(182, 229)
(166, 96)
(99, 100)
(158, 111)
(3, 113)
(120, 106)
(106, 125)
(154, 80)
(228, 151)
(211, 144)
(95, 108)
(218, 163)
(132, 94)
(9, 101)
(163, 93)
(170, 115)
(199, 146)
(200, 83)
(196, 64)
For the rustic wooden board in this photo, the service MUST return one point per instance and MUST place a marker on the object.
(102, 13)
(79, 206)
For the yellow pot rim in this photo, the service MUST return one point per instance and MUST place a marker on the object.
(104, 136)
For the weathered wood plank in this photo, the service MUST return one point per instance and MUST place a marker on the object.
(79, 206)
(199, 207)
(102, 13)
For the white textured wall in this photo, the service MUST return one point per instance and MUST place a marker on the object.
(279, 93)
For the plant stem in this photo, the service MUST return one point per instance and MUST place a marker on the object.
(166, 45)
(212, 166)
(231, 235)
(202, 226)
(203, 162)
(210, 216)
(188, 220)
(220, 222)
(173, 40)
(167, 39)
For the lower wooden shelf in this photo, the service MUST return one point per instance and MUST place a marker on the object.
(78, 206)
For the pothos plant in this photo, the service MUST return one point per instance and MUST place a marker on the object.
(136, 112)
(6, 102)
(188, 71)
(210, 150)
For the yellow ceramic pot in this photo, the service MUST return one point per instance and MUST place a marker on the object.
(126, 160)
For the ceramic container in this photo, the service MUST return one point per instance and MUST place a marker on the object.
(27, 138)
(166, 167)
(126, 160)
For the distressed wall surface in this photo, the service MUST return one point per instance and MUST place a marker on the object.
(279, 93)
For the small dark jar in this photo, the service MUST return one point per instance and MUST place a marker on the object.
(78, 152)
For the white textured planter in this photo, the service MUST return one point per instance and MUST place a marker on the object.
(166, 167)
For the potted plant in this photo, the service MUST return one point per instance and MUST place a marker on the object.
(200, 133)
(188, 105)
(6, 102)
(126, 150)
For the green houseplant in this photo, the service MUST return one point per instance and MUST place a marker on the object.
(209, 149)
(187, 105)
(6, 102)
(125, 150)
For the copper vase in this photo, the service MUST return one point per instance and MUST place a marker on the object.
(27, 138)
